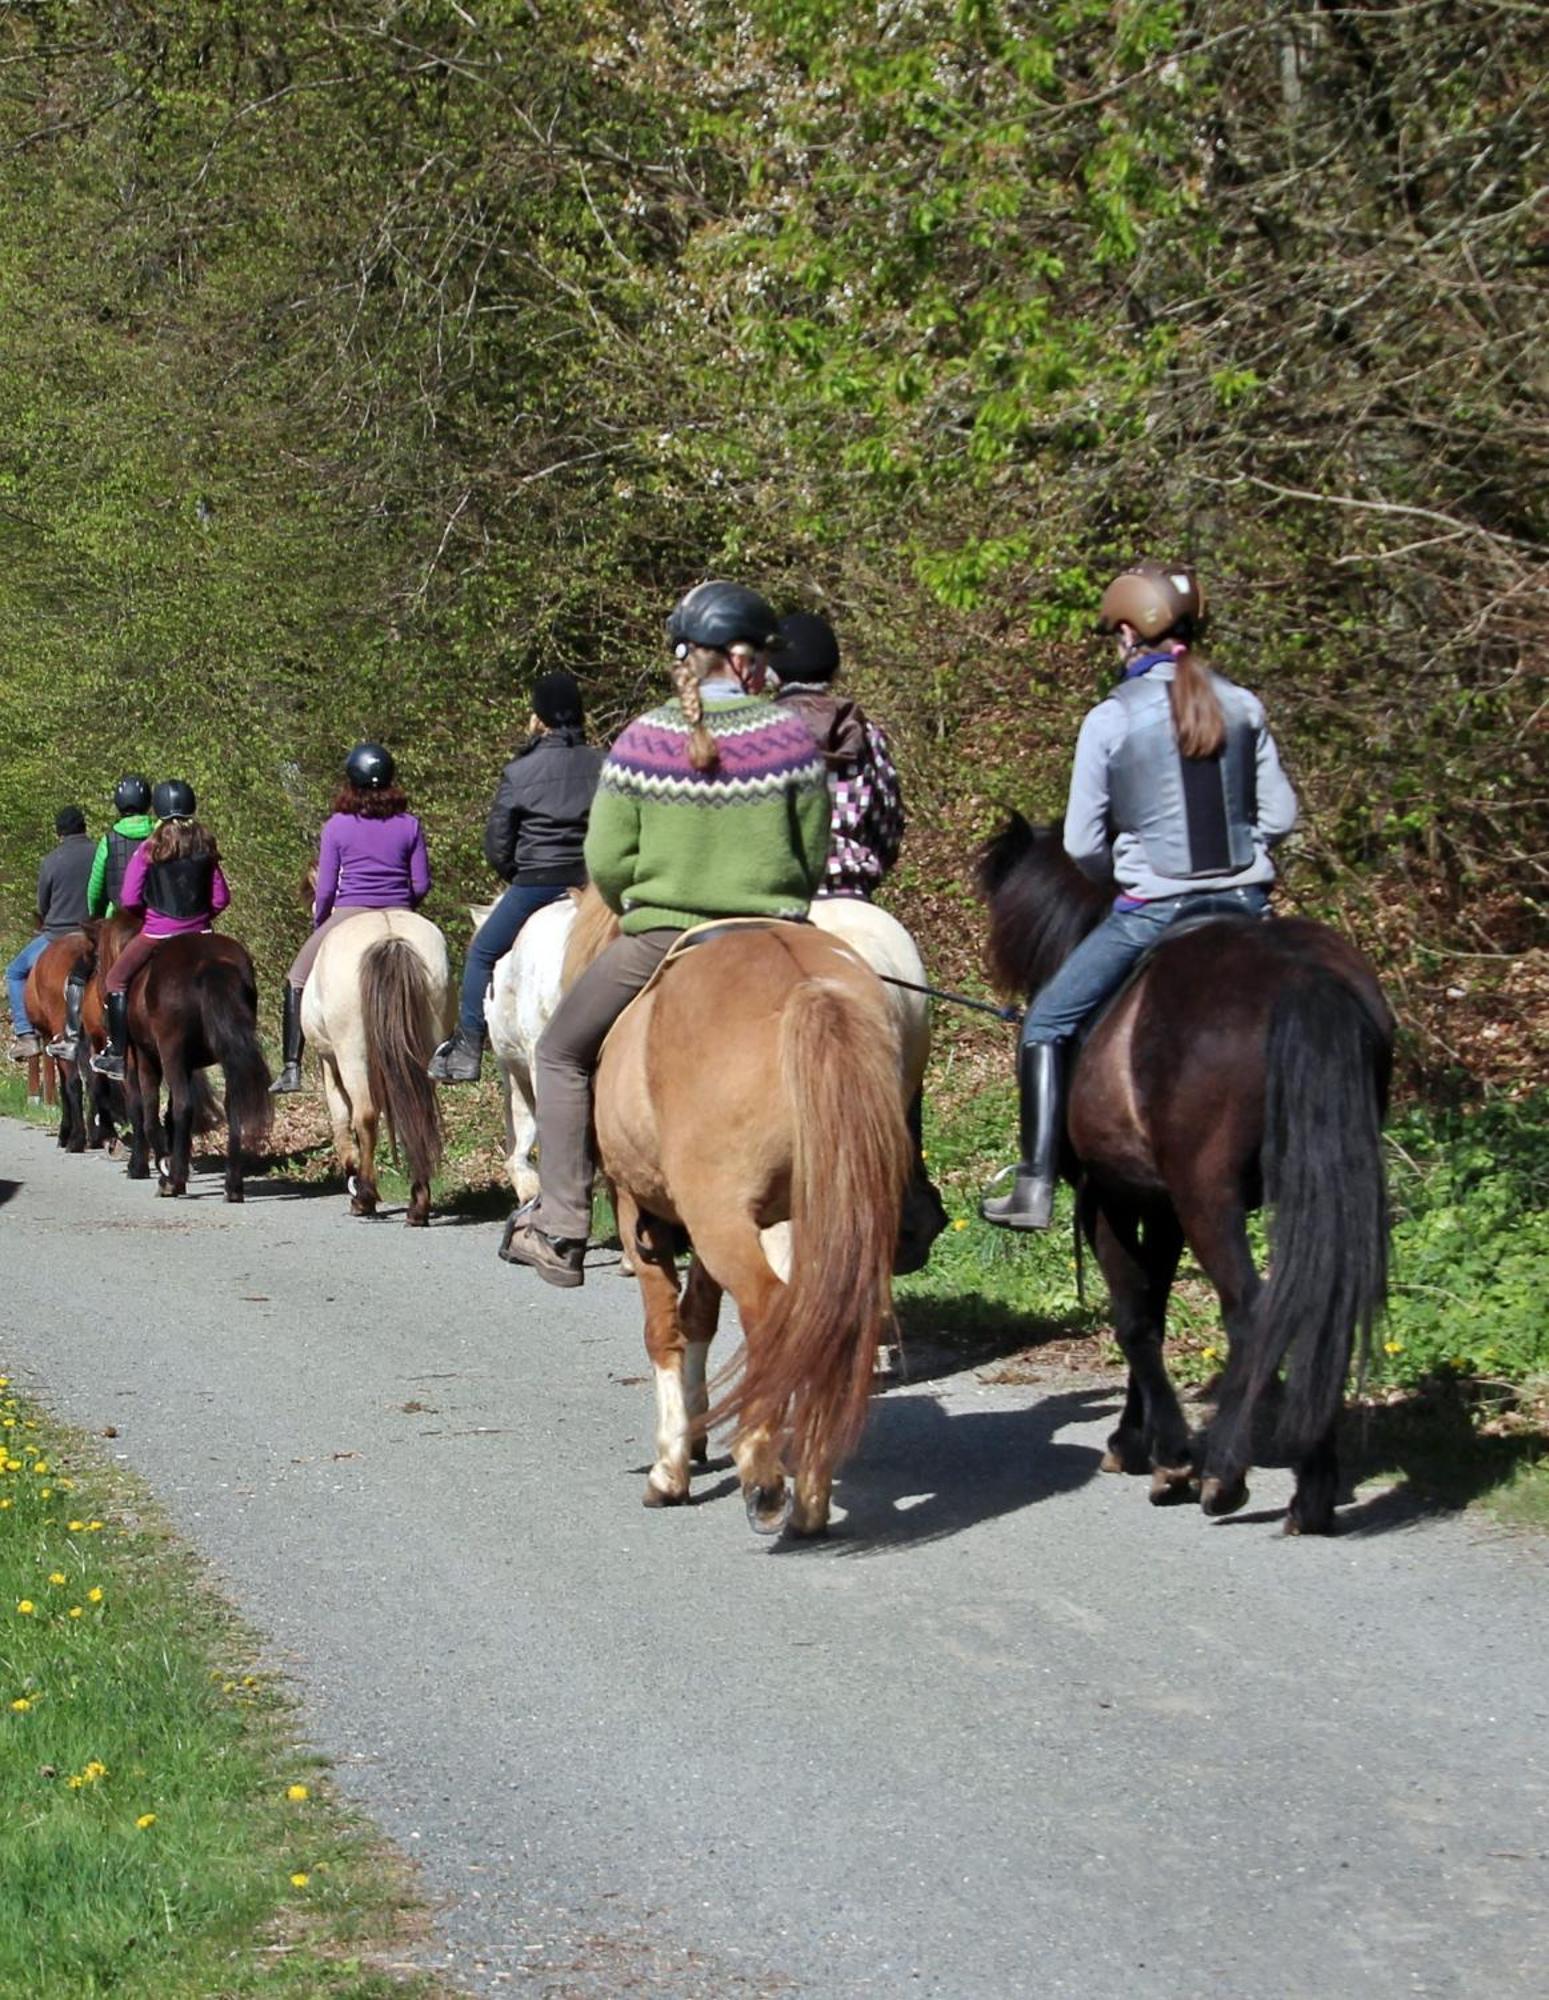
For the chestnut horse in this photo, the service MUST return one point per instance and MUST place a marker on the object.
(193, 1004)
(78, 1085)
(374, 1007)
(756, 1081)
(1245, 1063)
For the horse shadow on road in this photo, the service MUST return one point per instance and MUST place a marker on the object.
(8, 1189)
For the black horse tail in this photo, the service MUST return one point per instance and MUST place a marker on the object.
(229, 1004)
(400, 1020)
(1326, 1189)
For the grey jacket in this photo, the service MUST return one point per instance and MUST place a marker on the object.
(537, 825)
(1105, 833)
(62, 883)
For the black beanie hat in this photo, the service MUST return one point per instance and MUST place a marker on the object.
(556, 700)
(69, 819)
(808, 649)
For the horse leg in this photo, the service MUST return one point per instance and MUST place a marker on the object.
(1138, 1251)
(1311, 1511)
(521, 1131)
(1218, 1235)
(139, 1167)
(728, 1246)
(363, 1200)
(339, 1119)
(179, 1129)
(699, 1315)
(667, 1483)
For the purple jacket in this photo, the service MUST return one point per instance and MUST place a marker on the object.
(371, 864)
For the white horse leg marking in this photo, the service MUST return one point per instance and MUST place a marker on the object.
(809, 1514)
(669, 1475)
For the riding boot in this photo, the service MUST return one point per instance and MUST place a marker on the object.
(1041, 1083)
(459, 1058)
(67, 1042)
(292, 1042)
(110, 1061)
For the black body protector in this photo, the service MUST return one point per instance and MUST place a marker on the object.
(122, 848)
(1194, 816)
(182, 888)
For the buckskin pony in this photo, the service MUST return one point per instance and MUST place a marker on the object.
(755, 1082)
(194, 1004)
(375, 1004)
(1245, 1064)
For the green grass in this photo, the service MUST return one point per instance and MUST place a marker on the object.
(160, 1832)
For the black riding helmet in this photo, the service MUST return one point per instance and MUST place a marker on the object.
(132, 794)
(718, 615)
(174, 798)
(369, 767)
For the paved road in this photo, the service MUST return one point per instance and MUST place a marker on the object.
(1012, 1732)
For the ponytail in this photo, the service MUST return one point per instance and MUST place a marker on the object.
(702, 751)
(1197, 716)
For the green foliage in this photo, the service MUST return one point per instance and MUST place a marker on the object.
(1470, 1244)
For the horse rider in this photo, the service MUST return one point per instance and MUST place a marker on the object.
(62, 880)
(371, 856)
(175, 878)
(714, 805)
(1177, 796)
(534, 840)
(868, 813)
(132, 823)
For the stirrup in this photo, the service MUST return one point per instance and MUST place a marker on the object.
(289, 1078)
(63, 1048)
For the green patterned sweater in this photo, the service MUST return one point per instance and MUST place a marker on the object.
(669, 846)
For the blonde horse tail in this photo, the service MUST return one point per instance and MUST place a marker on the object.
(400, 1024)
(850, 1164)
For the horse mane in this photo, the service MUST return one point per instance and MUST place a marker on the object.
(1041, 904)
(594, 929)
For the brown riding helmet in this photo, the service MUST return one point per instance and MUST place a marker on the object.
(1153, 599)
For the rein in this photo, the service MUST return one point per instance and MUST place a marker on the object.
(1011, 1014)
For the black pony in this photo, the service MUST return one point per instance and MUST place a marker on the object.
(1245, 1063)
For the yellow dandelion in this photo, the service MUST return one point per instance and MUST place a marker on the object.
(1392, 1347)
(92, 1527)
(21, 1704)
(75, 1527)
(45, 1492)
(296, 1793)
(26, 1607)
(961, 1222)
(145, 1820)
(75, 1784)
(94, 1595)
(13, 1465)
(75, 1611)
(300, 1879)
(57, 1576)
(95, 1770)
(4, 1503)
(41, 1466)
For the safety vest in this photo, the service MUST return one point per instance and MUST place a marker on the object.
(181, 888)
(121, 851)
(1194, 816)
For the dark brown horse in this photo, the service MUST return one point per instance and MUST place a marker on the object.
(1245, 1064)
(194, 1004)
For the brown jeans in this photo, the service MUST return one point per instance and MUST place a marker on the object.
(565, 1059)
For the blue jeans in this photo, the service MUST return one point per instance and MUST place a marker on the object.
(16, 981)
(491, 941)
(1099, 965)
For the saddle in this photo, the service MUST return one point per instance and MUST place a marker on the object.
(1181, 928)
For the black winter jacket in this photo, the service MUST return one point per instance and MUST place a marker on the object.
(537, 824)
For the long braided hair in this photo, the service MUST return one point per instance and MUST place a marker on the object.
(703, 753)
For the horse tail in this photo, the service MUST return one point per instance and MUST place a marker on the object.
(399, 1014)
(229, 1002)
(1326, 1187)
(850, 1164)
(594, 929)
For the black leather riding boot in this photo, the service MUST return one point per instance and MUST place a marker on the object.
(110, 1061)
(66, 1044)
(1041, 1084)
(292, 1043)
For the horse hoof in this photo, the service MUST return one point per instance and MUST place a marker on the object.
(653, 1496)
(235, 1194)
(1124, 1455)
(1170, 1485)
(1219, 1497)
(1295, 1525)
(701, 1451)
(413, 1221)
(362, 1206)
(769, 1508)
